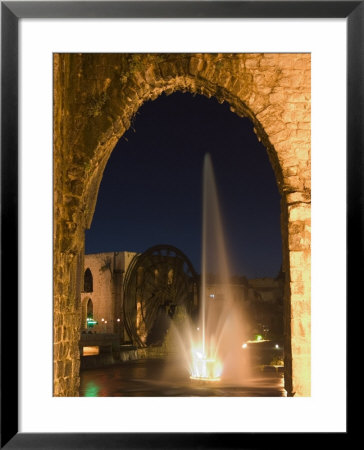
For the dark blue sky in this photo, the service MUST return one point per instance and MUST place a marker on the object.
(151, 191)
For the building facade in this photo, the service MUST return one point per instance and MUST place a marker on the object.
(102, 294)
(103, 290)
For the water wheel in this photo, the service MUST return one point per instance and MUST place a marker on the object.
(157, 283)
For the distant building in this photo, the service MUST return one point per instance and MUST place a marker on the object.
(268, 307)
(102, 294)
(103, 287)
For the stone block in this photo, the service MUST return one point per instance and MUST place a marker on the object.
(297, 243)
(277, 97)
(293, 183)
(298, 97)
(304, 126)
(268, 61)
(299, 212)
(68, 368)
(296, 275)
(297, 259)
(252, 62)
(60, 369)
(297, 288)
(282, 135)
(298, 197)
(290, 171)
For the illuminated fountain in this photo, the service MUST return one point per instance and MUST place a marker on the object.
(216, 344)
(212, 349)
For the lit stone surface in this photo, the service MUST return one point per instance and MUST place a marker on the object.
(95, 98)
(107, 271)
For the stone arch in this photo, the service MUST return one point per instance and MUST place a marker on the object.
(96, 98)
(123, 116)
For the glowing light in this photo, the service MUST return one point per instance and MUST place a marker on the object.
(92, 389)
(257, 341)
(105, 321)
(258, 337)
(244, 345)
(91, 322)
(212, 295)
(102, 319)
(198, 329)
(91, 351)
(277, 346)
(118, 320)
(204, 368)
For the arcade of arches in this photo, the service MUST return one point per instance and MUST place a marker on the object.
(95, 99)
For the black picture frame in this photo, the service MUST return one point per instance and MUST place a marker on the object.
(11, 12)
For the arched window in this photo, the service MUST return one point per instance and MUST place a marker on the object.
(90, 321)
(90, 308)
(88, 282)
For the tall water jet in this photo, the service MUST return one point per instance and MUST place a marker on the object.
(218, 350)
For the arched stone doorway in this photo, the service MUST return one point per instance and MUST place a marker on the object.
(95, 99)
(87, 313)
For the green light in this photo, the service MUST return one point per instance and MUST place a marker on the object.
(92, 389)
(91, 322)
(258, 337)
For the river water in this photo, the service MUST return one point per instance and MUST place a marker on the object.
(164, 378)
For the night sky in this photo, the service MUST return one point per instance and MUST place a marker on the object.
(151, 191)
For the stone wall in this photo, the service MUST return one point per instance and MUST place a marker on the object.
(95, 99)
(107, 271)
(101, 267)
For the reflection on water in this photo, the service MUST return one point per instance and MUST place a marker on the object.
(161, 378)
(91, 389)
